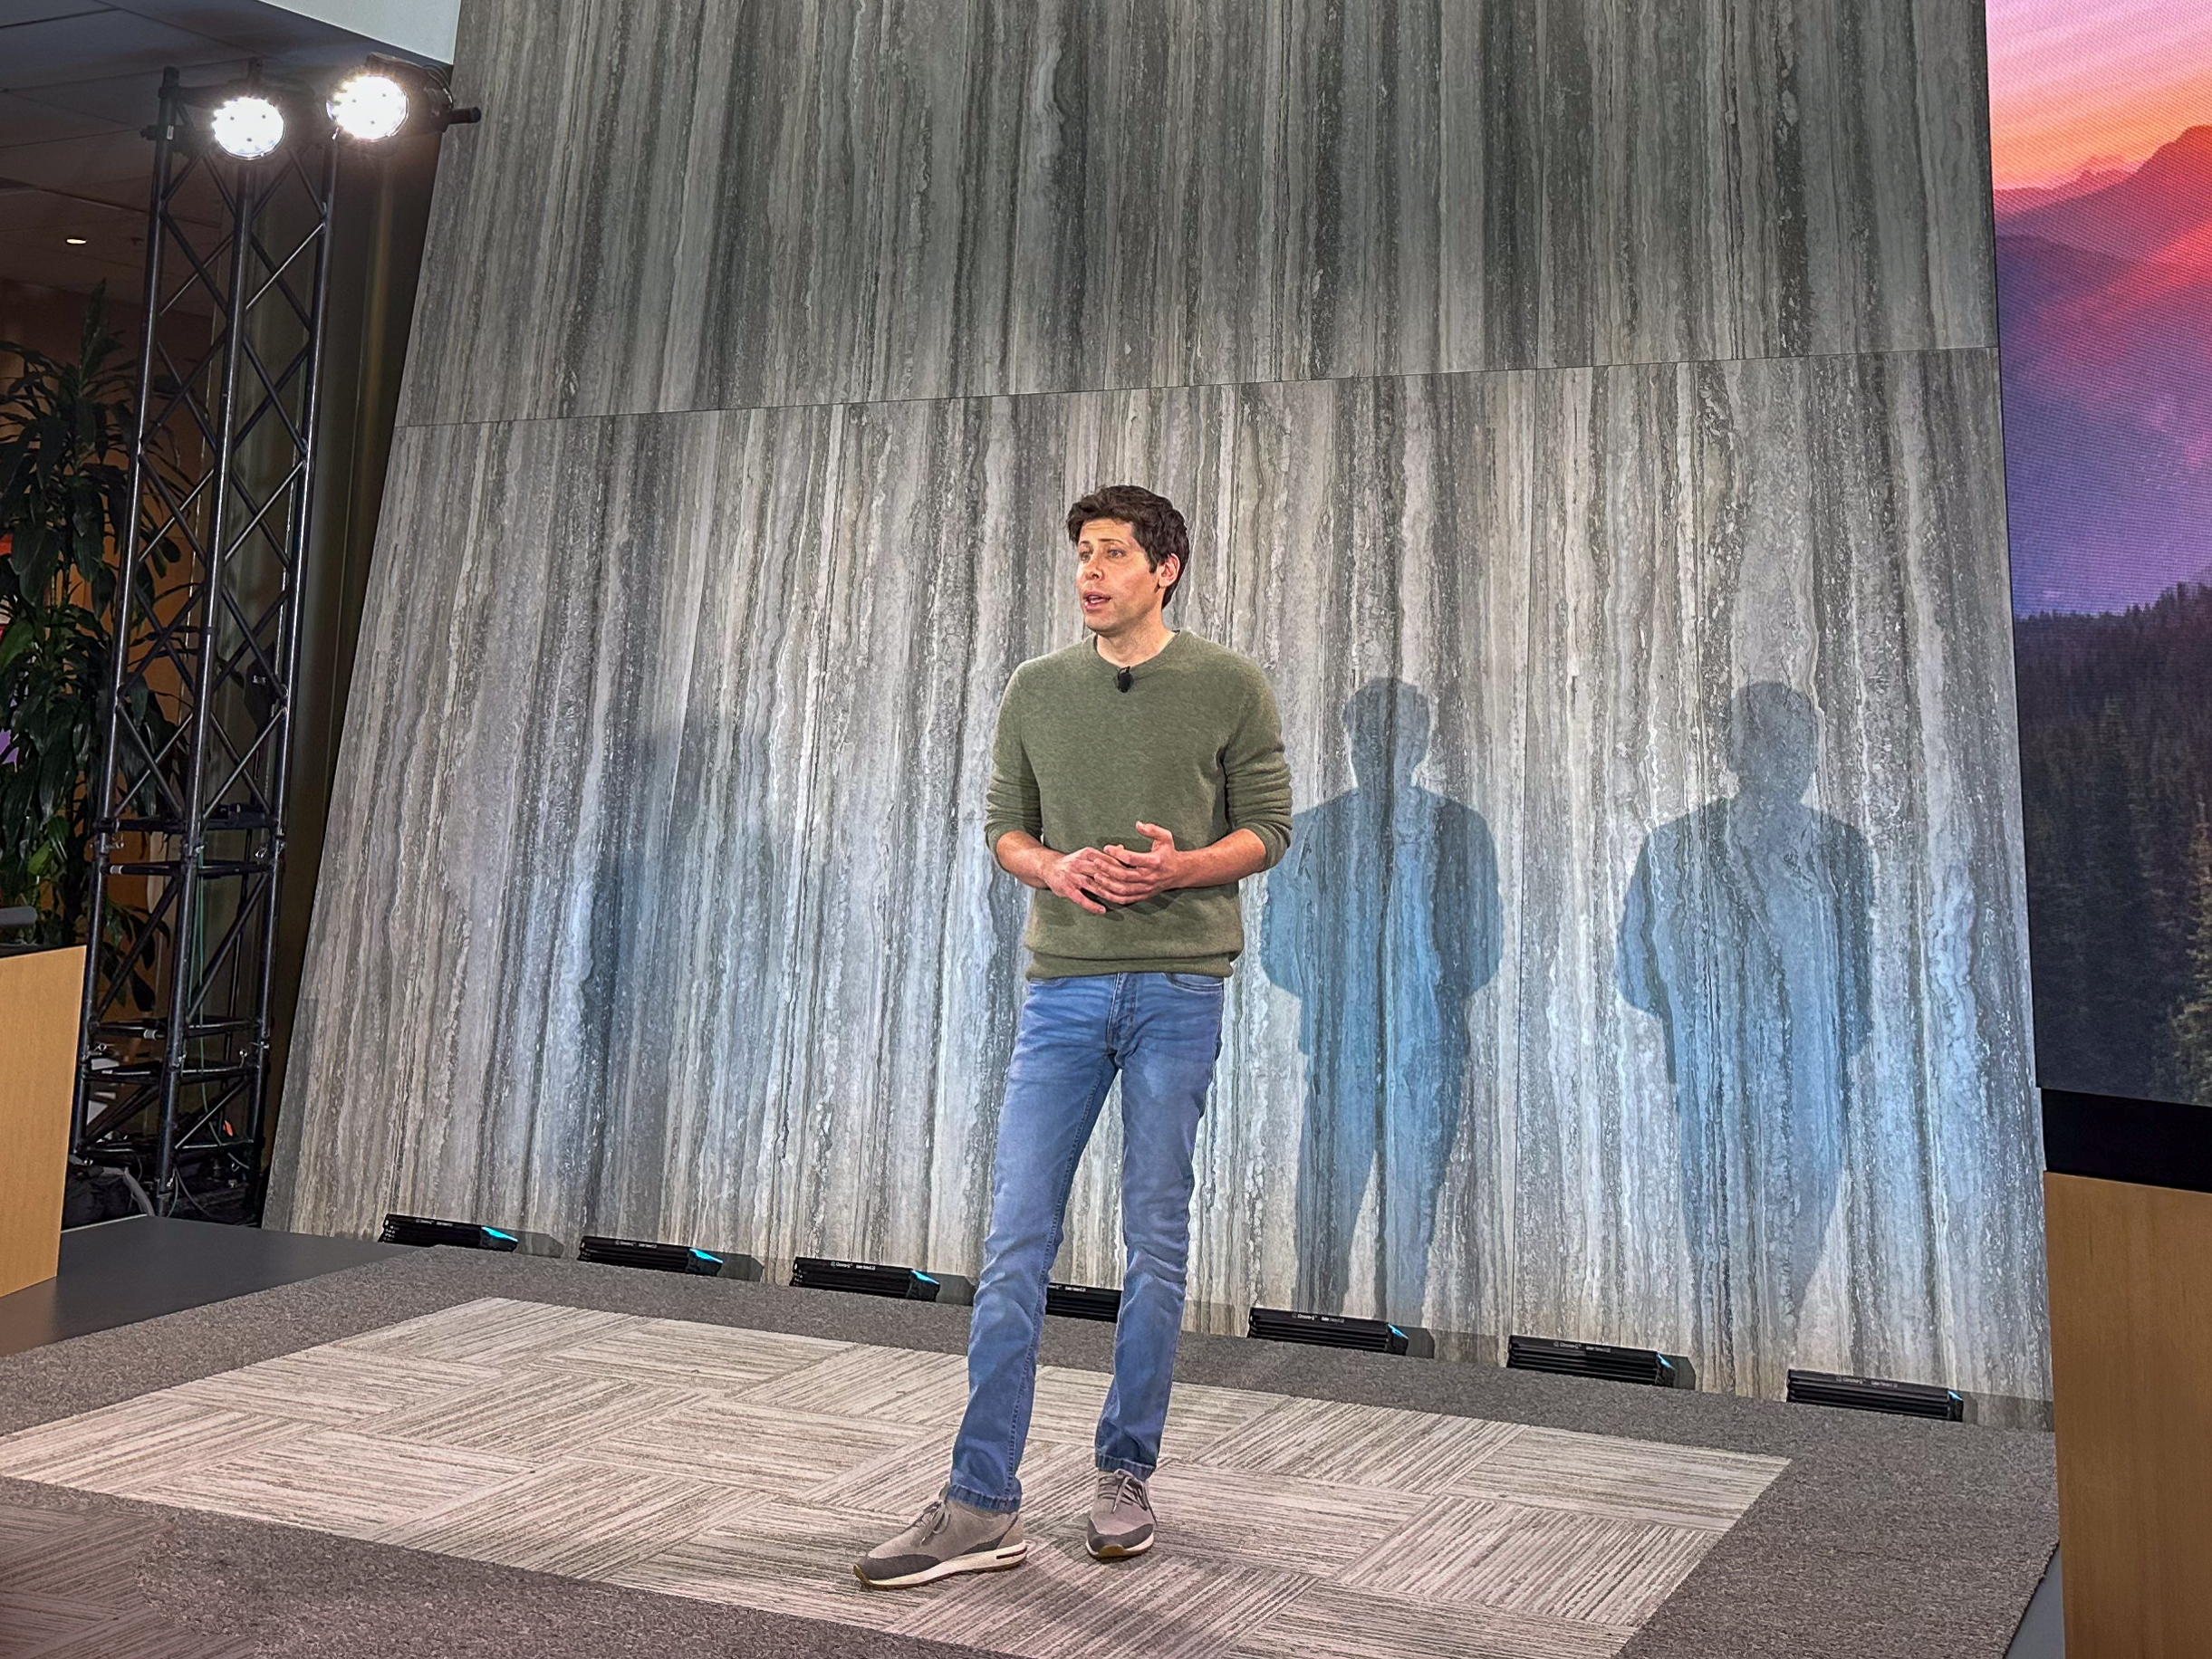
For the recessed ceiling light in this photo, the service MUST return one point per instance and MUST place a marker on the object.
(75, 242)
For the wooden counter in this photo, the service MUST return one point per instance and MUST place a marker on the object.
(41, 1000)
(2130, 1269)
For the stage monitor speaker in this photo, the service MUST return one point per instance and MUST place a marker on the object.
(1596, 1360)
(1876, 1394)
(462, 1235)
(1328, 1330)
(1083, 1301)
(862, 1279)
(645, 1253)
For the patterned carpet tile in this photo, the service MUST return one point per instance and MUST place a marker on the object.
(144, 1635)
(335, 1385)
(538, 1413)
(43, 1553)
(1069, 1402)
(1057, 1479)
(1277, 1520)
(745, 1443)
(354, 1485)
(715, 1359)
(749, 1468)
(1635, 1480)
(1365, 1445)
(1063, 1605)
(781, 1558)
(66, 1585)
(120, 1449)
(890, 1385)
(492, 1331)
(1329, 1621)
(583, 1520)
(30, 1623)
(1554, 1562)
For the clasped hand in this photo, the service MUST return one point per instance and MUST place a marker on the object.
(1118, 875)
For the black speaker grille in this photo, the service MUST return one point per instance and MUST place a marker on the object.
(1595, 1359)
(1326, 1330)
(430, 1229)
(862, 1279)
(1876, 1394)
(1083, 1301)
(645, 1253)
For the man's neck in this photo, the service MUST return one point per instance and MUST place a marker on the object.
(1140, 643)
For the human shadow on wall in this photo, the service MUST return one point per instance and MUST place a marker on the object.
(1747, 933)
(1382, 921)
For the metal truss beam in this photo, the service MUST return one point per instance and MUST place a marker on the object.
(190, 795)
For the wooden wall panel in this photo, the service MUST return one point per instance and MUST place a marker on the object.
(41, 996)
(661, 908)
(2131, 1379)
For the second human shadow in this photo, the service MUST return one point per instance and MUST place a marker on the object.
(1747, 933)
(1383, 920)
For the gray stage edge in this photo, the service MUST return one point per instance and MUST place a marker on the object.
(1886, 1538)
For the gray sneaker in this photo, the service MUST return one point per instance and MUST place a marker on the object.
(947, 1538)
(1121, 1516)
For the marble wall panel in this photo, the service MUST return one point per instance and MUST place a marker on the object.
(657, 903)
(677, 205)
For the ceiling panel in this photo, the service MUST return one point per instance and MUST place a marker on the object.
(13, 11)
(132, 100)
(111, 167)
(28, 120)
(76, 269)
(35, 54)
(244, 25)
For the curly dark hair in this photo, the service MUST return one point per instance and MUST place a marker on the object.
(1159, 528)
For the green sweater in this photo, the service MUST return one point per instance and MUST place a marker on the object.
(1194, 745)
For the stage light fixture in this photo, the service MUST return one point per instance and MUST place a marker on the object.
(647, 1253)
(1327, 1330)
(369, 106)
(1600, 1360)
(862, 1278)
(430, 1229)
(248, 126)
(1876, 1394)
(1083, 1301)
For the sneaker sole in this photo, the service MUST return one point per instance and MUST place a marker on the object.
(1121, 1552)
(982, 1561)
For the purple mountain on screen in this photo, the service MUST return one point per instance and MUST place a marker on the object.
(2161, 211)
(2105, 318)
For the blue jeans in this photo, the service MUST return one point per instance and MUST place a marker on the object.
(1161, 1033)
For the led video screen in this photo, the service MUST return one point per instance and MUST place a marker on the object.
(2102, 129)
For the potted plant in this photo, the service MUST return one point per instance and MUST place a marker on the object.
(65, 504)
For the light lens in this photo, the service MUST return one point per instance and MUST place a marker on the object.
(369, 107)
(249, 127)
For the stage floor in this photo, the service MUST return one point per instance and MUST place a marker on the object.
(582, 1451)
(139, 1267)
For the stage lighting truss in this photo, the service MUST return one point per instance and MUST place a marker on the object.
(191, 792)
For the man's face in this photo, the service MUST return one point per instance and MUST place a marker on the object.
(1115, 582)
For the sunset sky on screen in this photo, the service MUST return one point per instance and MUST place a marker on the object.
(2075, 83)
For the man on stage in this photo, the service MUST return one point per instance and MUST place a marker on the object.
(1136, 778)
